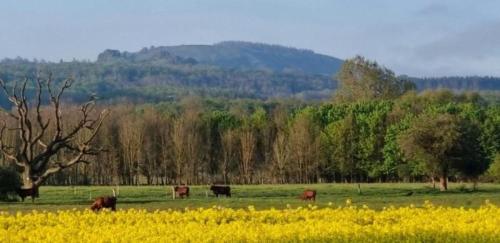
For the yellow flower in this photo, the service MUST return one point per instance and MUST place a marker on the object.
(218, 224)
(348, 202)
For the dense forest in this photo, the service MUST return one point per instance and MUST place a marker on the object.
(377, 128)
(276, 143)
(226, 70)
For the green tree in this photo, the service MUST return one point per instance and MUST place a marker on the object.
(344, 139)
(431, 139)
(361, 79)
(491, 130)
(372, 126)
(494, 169)
(471, 157)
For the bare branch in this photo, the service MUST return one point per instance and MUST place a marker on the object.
(14, 92)
(39, 103)
(59, 166)
(67, 84)
(42, 126)
(5, 149)
(9, 114)
(42, 144)
(10, 97)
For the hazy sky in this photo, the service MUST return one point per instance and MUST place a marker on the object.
(419, 38)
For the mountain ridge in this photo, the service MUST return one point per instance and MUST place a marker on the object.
(251, 56)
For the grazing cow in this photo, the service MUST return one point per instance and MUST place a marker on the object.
(308, 194)
(28, 192)
(104, 202)
(221, 190)
(181, 191)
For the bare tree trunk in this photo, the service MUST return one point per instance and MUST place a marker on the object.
(229, 142)
(178, 139)
(27, 181)
(281, 153)
(443, 183)
(247, 154)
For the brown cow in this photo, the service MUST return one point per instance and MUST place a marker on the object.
(181, 191)
(308, 194)
(28, 192)
(104, 202)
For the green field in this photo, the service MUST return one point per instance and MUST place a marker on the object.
(261, 196)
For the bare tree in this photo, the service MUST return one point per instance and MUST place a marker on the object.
(229, 152)
(179, 133)
(303, 147)
(131, 138)
(248, 143)
(281, 153)
(36, 151)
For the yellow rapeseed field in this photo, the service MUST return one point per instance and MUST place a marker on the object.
(347, 223)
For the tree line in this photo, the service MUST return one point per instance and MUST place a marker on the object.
(363, 141)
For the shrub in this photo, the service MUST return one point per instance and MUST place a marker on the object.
(9, 184)
(493, 173)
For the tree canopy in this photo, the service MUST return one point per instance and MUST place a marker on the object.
(362, 79)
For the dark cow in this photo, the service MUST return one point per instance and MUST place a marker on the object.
(104, 202)
(308, 194)
(181, 191)
(221, 190)
(28, 192)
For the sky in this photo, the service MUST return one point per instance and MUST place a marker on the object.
(419, 38)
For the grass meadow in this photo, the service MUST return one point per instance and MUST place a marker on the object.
(375, 196)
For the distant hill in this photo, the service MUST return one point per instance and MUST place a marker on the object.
(227, 69)
(252, 56)
(154, 76)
